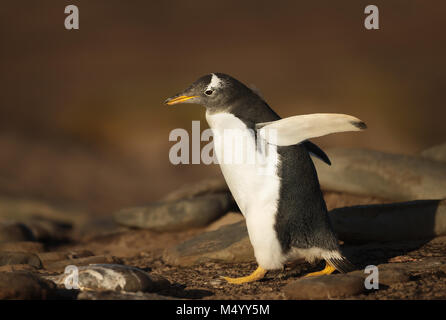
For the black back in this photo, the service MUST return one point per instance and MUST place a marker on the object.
(302, 220)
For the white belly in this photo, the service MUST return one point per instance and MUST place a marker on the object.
(254, 185)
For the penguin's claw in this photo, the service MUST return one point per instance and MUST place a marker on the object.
(258, 274)
(327, 270)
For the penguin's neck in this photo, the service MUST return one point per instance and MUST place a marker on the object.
(223, 120)
(248, 108)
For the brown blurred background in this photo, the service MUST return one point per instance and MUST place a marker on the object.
(81, 113)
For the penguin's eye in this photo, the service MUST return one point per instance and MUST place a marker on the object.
(208, 92)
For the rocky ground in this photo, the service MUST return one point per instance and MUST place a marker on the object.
(180, 246)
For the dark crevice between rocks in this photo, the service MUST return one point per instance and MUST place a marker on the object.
(177, 290)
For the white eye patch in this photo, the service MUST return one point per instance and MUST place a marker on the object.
(215, 83)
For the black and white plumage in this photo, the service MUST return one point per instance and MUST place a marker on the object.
(285, 212)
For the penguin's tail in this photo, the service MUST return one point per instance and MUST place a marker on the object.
(341, 264)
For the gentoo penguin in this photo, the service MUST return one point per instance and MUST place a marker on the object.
(285, 212)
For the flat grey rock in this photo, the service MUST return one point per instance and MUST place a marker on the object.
(227, 244)
(388, 274)
(25, 285)
(96, 227)
(437, 153)
(206, 186)
(177, 215)
(48, 230)
(25, 209)
(113, 277)
(14, 231)
(34, 229)
(384, 175)
(325, 287)
(10, 258)
(22, 246)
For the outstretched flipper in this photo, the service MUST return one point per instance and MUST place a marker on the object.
(294, 130)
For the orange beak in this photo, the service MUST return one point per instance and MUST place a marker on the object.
(180, 99)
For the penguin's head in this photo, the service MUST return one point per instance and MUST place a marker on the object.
(213, 91)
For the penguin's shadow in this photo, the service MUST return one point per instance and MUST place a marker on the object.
(361, 255)
(295, 270)
(400, 223)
